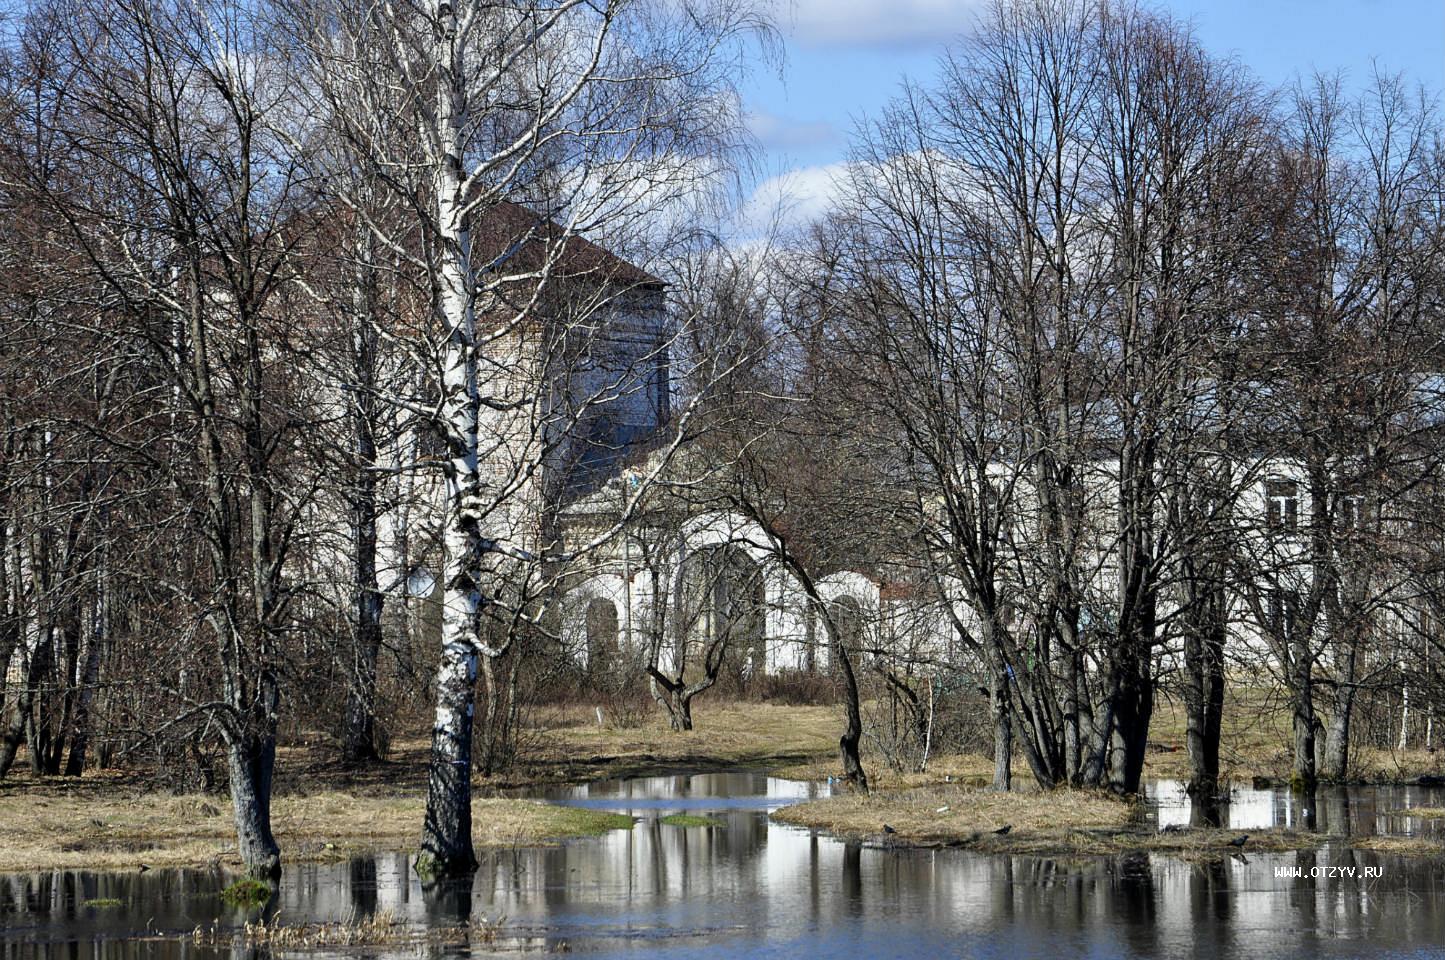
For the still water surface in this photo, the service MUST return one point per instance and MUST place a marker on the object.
(749, 888)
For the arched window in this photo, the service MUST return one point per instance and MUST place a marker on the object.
(601, 625)
(721, 612)
(847, 613)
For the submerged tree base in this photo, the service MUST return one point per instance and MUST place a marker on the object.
(247, 893)
(431, 867)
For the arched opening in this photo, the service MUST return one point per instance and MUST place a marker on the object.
(721, 617)
(848, 619)
(600, 622)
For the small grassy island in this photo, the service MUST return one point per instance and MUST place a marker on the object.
(1058, 823)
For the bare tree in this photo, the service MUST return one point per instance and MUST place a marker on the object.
(174, 113)
(567, 107)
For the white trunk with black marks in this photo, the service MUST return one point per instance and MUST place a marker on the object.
(1343, 738)
(446, 846)
(21, 697)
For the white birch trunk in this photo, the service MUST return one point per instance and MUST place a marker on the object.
(446, 846)
(1404, 718)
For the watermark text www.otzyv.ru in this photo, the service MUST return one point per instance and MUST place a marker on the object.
(1331, 873)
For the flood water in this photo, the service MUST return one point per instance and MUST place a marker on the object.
(747, 887)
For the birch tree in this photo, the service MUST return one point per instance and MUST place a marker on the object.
(534, 123)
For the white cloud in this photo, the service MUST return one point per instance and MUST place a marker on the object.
(877, 23)
(794, 198)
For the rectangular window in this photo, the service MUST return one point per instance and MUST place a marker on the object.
(1282, 503)
(1350, 512)
(1283, 613)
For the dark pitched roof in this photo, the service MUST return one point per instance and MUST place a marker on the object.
(524, 240)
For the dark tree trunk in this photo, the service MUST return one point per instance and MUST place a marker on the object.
(1073, 711)
(1133, 694)
(1132, 712)
(675, 697)
(1206, 809)
(89, 676)
(499, 716)
(1337, 736)
(251, 760)
(848, 751)
(1304, 723)
(1204, 641)
(359, 735)
(1002, 731)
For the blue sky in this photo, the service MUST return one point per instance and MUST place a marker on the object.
(845, 59)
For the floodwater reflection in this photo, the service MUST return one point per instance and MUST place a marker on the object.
(1343, 811)
(747, 887)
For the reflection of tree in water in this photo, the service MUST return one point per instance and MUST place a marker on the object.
(1210, 894)
(852, 886)
(748, 874)
(361, 872)
(448, 902)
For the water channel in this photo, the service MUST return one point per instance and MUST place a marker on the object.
(745, 887)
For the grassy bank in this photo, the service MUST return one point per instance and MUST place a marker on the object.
(1057, 823)
(567, 745)
(325, 811)
(964, 769)
(95, 828)
(1256, 741)
(570, 745)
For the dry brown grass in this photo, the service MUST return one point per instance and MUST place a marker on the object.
(1394, 766)
(1061, 822)
(99, 830)
(933, 815)
(964, 769)
(324, 811)
(1401, 846)
(380, 929)
(571, 745)
(565, 744)
(1254, 737)
(1255, 741)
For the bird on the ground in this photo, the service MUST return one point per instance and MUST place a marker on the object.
(888, 829)
(143, 868)
(1239, 841)
(1003, 830)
